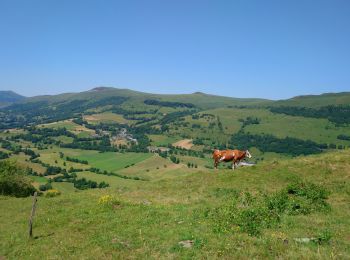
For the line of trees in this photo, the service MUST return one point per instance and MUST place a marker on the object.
(76, 160)
(155, 102)
(340, 115)
(344, 137)
(249, 121)
(81, 184)
(104, 172)
(270, 143)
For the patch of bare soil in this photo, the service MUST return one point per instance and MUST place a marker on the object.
(90, 118)
(185, 143)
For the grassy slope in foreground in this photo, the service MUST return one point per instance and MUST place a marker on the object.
(154, 216)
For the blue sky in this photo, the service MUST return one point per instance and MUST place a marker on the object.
(268, 49)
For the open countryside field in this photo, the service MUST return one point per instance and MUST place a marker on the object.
(81, 131)
(122, 194)
(112, 161)
(162, 140)
(318, 130)
(68, 124)
(174, 210)
(107, 118)
(175, 130)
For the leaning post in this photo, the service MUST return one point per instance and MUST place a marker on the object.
(32, 215)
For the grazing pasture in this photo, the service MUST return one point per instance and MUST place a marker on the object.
(119, 202)
(190, 207)
(162, 140)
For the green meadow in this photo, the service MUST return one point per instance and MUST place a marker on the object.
(112, 161)
(148, 219)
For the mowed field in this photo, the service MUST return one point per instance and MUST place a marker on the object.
(148, 219)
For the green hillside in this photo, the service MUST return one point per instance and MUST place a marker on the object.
(8, 97)
(326, 99)
(130, 175)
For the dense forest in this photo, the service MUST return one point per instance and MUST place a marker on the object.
(167, 103)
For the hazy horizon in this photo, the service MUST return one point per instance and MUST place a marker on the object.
(172, 93)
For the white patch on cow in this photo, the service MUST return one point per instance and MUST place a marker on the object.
(222, 158)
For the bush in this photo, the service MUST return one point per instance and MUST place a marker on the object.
(251, 214)
(324, 237)
(45, 187)
(307, 197)
(13, 181)
(3, 155)
(52, 193)
(108, 201)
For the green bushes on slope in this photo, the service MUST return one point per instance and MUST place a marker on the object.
(252, 213)
(13, 181)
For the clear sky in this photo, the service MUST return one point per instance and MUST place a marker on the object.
(269, 49)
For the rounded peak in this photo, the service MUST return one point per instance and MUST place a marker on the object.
(99, 89)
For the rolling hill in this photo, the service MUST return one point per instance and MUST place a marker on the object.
(130, 175)
(315, 101)
(9, 97)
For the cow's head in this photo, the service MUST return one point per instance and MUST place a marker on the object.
(247, 154)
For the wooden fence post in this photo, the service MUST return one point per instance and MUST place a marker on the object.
(32, 215)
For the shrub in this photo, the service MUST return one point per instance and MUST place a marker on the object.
(13, 181)
(108, 201)
(252, 213)
(52, 193)
(3, 155)
(307, 197)
(45, 187)
(323, 237)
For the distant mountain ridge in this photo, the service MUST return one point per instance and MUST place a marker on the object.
(9, 96)
(325, 99)
(198, 99)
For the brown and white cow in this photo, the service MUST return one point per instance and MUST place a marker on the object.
(229, 155)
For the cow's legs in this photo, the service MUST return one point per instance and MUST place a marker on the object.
(216, 163)
(233, 164)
